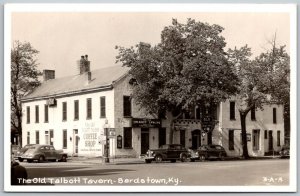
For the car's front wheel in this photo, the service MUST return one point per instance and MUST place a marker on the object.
(221, 156)
(41, 159)
(158, 158)
(183, 158)
(64, 158)
(202, 158)
(20, 159)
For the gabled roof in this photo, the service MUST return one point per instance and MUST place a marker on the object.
(101, 78)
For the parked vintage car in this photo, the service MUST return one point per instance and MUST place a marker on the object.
(21, 151)
(285, 152)
(44, 152)
(167, 152)
(15, 149)
(208, 152)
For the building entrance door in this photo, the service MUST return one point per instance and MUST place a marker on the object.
(144, 140)
(270, 140)
(75, 141)
(196, 139)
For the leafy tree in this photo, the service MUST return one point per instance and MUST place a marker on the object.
(187, 68)
(24, 77)
(263, 80)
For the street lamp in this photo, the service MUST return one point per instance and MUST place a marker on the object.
(106, 147)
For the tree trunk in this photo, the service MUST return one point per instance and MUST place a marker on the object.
(171, 119)
(244, 134)
(171, 138)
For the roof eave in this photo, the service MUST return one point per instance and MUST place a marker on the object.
(65, 94)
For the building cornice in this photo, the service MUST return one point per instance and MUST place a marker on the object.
(69, 93)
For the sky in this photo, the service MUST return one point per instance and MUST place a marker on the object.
(61, 38)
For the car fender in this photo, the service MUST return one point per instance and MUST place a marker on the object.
(163, 155)
(184, 153)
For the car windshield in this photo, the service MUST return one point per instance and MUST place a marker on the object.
(32, 147)
(164, 147)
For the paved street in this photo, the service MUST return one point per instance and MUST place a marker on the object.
(219, 173)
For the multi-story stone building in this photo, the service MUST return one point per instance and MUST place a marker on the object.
(72, 113)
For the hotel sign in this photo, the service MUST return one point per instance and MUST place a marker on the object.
(145, 122)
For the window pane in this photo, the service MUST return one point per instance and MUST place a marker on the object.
(51, 136)
(65, 143)
(89, 108)
(278, 138)
(37, 137)
(64, 111)
(253, 117)
(231, 139)
(36, 113)
(182, 137)
(76, 110)
(255, 139)
(28, 137)
(162, 136)
(127, 137)
(102, 107)
(46, 113)
(232, 110)
(28, 114)
(274, 116)
(127, 106)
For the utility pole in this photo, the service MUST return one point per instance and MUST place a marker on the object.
(106, 154)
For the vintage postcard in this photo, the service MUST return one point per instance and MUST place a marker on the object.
(150, 98)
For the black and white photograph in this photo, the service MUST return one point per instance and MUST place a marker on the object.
(150, 98)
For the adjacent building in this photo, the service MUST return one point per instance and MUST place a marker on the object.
(73, 113)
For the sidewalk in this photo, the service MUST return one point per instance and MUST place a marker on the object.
(126, 161)
(112, 161)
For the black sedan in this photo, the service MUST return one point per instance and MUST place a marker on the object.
(208, 152)
(167, 152)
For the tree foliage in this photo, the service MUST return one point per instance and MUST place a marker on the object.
(263, 80)
(24, 78)
(188, 67)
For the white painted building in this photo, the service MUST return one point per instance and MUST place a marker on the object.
(72, 113)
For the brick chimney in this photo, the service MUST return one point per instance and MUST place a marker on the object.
(83, 64)
(48, 74)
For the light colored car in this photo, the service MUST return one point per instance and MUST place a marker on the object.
(15, 149)
(44, 152)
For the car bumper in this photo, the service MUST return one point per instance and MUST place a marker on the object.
(29, 157)
(149, 158)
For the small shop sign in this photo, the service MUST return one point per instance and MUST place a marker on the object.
(145, 122)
